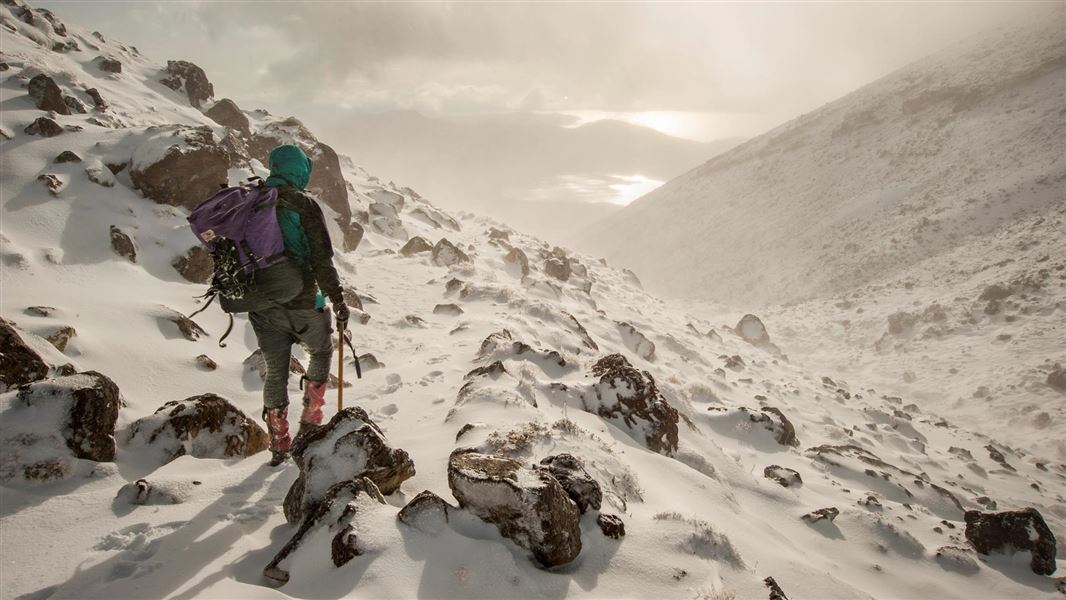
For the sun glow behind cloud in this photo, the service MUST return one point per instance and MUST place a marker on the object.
(698, 126)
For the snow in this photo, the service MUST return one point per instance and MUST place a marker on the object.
(73, 539)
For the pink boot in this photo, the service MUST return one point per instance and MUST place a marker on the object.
(277, 420)
(314, 400)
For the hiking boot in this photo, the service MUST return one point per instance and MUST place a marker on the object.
(277, 420)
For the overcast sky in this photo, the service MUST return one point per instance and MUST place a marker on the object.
(767, 60)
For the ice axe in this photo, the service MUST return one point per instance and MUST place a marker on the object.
(344, 338)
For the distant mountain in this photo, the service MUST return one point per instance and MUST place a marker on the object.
(937, 155)
(509, 165)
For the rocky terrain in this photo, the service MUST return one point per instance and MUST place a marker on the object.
(530, 421)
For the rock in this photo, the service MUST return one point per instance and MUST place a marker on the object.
(776, 593)
(353, 235)
(53, 182)
(435, 218)
(1013, 531)
(517, 259)
(99, 174)
(196, 265)
(426, 512)
(632, 279)
(369, 362)
(67, 156)
(40, 311)
(186, 326)
(497, 235)
(61, 337)
(630, 399)
(637, 341)
(445, 254)
(352, 298)
(775, 421)
(44, 127)
(181, 165)
(256, 363)
(570, 472)
(751, 329)
(109, 65)
(347, 448)
(339, 506)
(226, 112)
(184, 75)
(447, 309)
(206, 363)
(1057, 378)
(611, 526)
(46, 95)
(783, 475)
(48, 423)
(527, 506)
(19, 364)
(123, 245)
(416, 245)
(144, 492)
(204, 426)
(98, 100)
(822, 513)
(557, 267)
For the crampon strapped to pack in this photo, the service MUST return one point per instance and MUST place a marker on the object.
(239, 227)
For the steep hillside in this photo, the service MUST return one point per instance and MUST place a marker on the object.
(947, 150)
(732, 469)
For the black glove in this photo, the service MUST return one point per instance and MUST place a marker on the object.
(340, 311)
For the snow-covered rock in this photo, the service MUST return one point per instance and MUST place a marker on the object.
(182, 165)
(630, 398)
(19, 363)
(204, 426)
(1013, 531)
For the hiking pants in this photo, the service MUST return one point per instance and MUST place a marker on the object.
(277, 329)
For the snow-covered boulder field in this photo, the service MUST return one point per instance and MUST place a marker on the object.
(530, 422)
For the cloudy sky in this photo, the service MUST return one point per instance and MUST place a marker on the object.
(704, 71)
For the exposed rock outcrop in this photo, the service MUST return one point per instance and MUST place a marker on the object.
(570, 472)
(51, 422)
(204, 426)
(1013, 531)
(416, 245)
(445, 254)
(349, 447)
(196, 265)
(108, 64)
(784, 476)
(630, 398)
(47, 95)
(123, 245)
(558, 268)
(183, 75)
(66, 156)
(426, 512)
(226, 112)
(828, 514)
(518, 260)
(44, 127)
(183, 166)
(19, 364)
(527, 506)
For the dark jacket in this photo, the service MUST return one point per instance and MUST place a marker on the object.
(318, 269)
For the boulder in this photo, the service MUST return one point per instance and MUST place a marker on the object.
(611, 526)
(49, 423)
(67, 156)
(19, 364)
(369, 362)
(558, 268)
(447, 309)
(416, 245)
(353, 235)
(109, 65)
(349, 447)
(204, 426)
(517, 259)
(44, 127)
(181, 165)
(196, 265)
(332, 518)
(225, 112)
(629, 398)
(783, 475)
(1013, 531)
(183, 75)
(75, 105)
(387, 226)
(570, 472)
(445, 254)
(61, 337)
(751, 329)
(46, 95)
(98, 100)
(497, 235)
(123, 245)
(527, 506)
(426, 512)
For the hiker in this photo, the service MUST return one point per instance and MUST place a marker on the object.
(304, 318)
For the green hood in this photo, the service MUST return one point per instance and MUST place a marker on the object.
(288, 164)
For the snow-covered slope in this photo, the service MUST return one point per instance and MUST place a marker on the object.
(701, 519)
(948, 150)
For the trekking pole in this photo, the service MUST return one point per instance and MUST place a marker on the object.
(340, 369)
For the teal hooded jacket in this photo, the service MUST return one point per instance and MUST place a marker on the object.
(290, 166)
